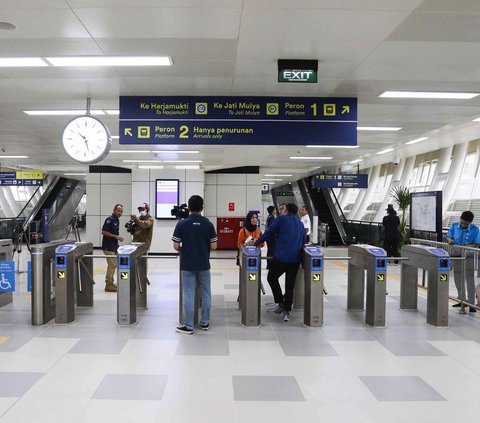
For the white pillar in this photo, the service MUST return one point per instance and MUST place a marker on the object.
(454, 173)
(372, 186)
(443, 165)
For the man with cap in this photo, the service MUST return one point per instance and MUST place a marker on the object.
(391, 238)
(143, 230)
(467, 234)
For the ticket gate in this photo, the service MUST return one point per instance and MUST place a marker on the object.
(73, 280)
(313, 284)
(43, 281)
(129, 283)
(436, 262)
(373, 260)
(249, 280)
(6, 254)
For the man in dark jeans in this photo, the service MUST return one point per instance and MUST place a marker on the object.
(194, 238)
(290, 235)
(110, 232)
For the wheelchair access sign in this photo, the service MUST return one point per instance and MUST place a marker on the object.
(7, 276)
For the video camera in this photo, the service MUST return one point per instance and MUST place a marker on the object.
(131, 226)
(180, 212)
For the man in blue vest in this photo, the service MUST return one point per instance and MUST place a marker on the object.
(466, 234)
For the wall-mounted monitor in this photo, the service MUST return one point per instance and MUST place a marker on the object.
(166, 196)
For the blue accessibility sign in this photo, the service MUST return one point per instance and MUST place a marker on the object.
(7, 276)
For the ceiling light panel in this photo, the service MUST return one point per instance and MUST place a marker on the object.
(429, 95)
(417, 140)
(92, 61)
(378, 128)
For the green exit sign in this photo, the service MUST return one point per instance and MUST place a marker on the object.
(297, 75)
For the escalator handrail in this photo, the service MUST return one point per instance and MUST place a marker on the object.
(337, 214)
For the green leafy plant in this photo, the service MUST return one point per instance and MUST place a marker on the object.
(401, 196)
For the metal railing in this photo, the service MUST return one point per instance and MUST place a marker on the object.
(460, 253)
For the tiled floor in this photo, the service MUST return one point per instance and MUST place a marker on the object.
(95, 371)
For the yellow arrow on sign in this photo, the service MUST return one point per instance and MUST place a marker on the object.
(443, 277)
(316, 277)
(123, 275)
(128, 131)
(61, 275)
(380, 277)
(345, 109)
(252, 277)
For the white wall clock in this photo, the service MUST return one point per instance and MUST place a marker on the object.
(86, 139)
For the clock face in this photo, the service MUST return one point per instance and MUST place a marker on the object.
(86, 139)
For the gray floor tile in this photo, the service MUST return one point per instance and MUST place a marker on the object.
(96, 346)
(131, 387)
(412, 348)
(202, 343)
(16, 384)
(266, 388)
(241, 333)
(400, 388)
(231, 286)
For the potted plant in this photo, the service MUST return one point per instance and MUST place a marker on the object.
(401, 195)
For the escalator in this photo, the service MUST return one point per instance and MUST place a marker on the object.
(59, 202)
(324, 202)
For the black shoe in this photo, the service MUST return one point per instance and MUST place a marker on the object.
(457, 305)
(472, 310)
(184, 329)
(205, 327)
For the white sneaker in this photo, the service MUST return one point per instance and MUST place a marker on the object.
(286, 318)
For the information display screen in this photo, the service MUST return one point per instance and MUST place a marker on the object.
(166, 196)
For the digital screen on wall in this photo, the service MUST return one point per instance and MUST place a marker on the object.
(166, 196)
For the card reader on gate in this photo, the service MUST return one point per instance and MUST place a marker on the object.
(317, 264)
(123, 262)
(60, 261)
(252, 263)
(381, 264)
(444, 264)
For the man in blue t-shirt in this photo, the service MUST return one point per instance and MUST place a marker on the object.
(194, 237)
(290, 235)
(467, 234)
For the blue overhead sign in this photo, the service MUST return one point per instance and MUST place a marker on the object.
(238, 120)
(21, 178)
(341, 180)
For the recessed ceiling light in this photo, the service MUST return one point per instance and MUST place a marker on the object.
(21, 62)
(378, 128)
(428, 94)
(74, 174)
(387, 150)
(274, 174)
(13, 157)
(476, 120)
(182, 161)
(7, 26)
(311, 158)
(62, 112)
(271, 179)
(187, 167)
(176, 151)
(356, 161)
(115, 137)
(112, 112)
(129, 151)
(332, 146)
(141, 161)
(150, 167)
(417, 140)
(110, 61)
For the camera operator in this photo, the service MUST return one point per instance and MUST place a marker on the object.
(142, 226)
(110, 232)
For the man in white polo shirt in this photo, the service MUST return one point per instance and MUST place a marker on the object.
(307, 224)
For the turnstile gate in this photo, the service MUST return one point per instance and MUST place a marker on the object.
(6, 254)
(373, 261)
(249, 280)
(73, 280)
(43, 281)
(130, 286)
(312, 261)
(436, 262)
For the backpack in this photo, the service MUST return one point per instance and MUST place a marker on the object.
(238, 251)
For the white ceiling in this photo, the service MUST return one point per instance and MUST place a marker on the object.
(231, 47)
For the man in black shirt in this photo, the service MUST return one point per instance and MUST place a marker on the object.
(391, 222)
(110, 232)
